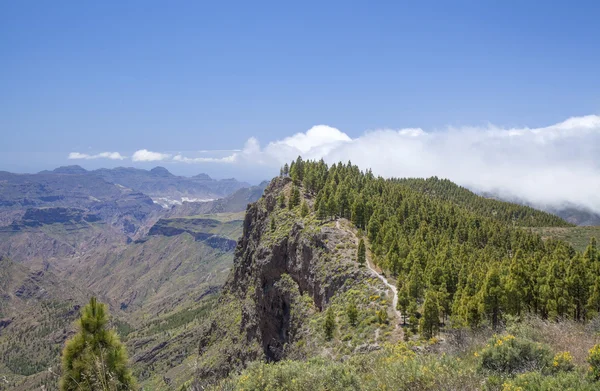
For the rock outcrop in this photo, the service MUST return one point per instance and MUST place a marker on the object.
(270, 269)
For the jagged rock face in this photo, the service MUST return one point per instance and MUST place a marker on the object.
(259, 268)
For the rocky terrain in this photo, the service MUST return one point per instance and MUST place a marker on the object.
(68, 234)
(160, 183)
(200, 291)
(272, 305)
(232, 203)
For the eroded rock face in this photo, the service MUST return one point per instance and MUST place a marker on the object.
(194, 227)
(276, 272)
(38, 216)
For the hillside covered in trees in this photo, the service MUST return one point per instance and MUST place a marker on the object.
(485, 302)
(344, 280)
(443, 242)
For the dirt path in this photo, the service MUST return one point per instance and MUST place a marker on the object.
(380, 276)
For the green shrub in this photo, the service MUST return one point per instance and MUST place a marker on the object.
(535, 381)
(312, 375)
(510, 355)
(594, 361)
(329, 324)
(563, 362)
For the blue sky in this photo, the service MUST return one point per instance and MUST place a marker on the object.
(179, 77)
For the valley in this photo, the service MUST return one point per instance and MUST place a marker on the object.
(204, 293)
(69, 234)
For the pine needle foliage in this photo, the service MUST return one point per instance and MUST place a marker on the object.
(94, 359)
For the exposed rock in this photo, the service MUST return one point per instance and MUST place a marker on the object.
(259, 267)
(4, 323)
(194, 227)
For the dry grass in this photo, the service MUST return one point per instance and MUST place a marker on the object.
(563, 336)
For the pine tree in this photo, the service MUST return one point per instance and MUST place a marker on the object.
(594, 300)
(329, 325)
(352, 313)
(273, 227)
(322, 211)
(516, 284)
(361, 253)
(415, 281)
(403, 301)
(430, 322)
(444, 302)
(304, 211)
(282, 200)
(294, 197)
(358, 213)
(286, 169)
(413, 317)
(94, 358)
(577, 281)
(331, 206)
(592, 258)
(492, 296)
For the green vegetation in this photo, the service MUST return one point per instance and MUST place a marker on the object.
(435, 236)
(447, 190)
(361, 253)
(578, 237)
(430, 322)
(94, 358)
(594, 361)
(510, 355)
(467, 360)
(352, 313)
(329, 325)
(514, 311)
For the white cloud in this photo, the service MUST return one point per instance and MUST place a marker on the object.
(143, 155)
(549, 166)
(102, 155)
(226, 159)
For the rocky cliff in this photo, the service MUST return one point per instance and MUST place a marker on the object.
(287, 270)
(278, 267)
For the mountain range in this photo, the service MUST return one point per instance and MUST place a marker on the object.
(199, 291)
(68, 234)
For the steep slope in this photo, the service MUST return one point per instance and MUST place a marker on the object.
(458, 260)
(518, 214)
(577, 216)
(288, 269)
(37, 309)
(179, 258)
(159, 276)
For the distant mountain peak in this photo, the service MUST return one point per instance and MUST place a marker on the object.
(202, 176)
(161, 171)
(74, 169)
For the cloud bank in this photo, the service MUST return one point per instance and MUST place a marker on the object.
(552, 166)
(143, 155)
(102, 155)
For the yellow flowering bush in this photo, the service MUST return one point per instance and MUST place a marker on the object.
(563, 361)
(594, 361)
(536, 381)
